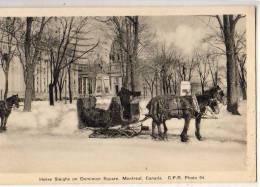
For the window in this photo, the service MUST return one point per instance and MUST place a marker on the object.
(117, 80)
(80, 85)
(99, 89)
(84, 85)
(106, 85)
(99, 85)
(90, 86)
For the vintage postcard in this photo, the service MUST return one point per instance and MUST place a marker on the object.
(127, 95)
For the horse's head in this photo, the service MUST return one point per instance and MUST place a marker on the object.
(213, 104)
(218, 94)
(13, 101)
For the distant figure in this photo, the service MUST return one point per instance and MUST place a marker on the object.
(125, 98)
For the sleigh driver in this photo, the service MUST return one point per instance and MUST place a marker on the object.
(127, 97)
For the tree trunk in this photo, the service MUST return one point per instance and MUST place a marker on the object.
(243, 89)
(6, 83)
(169, 85)
(28, 88)
(244, 94)
(51, 96)
(132, 74)
(135, 48)
(33, 90)
(232, 70)
(161, 86)
(151, 90)
(242, 81)
(29, 66)
(164, 85)
(70, 91)
(156, 84)
(216, 78)
(60, 93)
(202, 88)
(56, 92)
(126, 81)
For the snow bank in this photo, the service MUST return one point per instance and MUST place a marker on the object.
(38, 140)
(44, 119)
(61, 119)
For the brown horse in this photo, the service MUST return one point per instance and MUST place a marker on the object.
(6, 108)
(162, 108)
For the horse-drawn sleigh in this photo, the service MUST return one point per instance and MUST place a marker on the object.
(122, 117)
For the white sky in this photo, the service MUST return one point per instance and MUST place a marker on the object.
(185, 32)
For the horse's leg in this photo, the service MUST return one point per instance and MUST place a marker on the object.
(4, 123)
(161, 136)
(184, 136)
(197, 131)
(165, 130)
(153, 129)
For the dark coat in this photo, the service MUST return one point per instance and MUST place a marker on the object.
(125, 95)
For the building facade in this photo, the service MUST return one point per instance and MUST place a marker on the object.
(42, 79)
(15, 78)
(97, 78)
(93, 80)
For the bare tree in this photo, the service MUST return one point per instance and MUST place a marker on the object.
(127, 31)
(228, 29)
(213, 65)
(29, 42)
(149, 74)
(8, 30)
(164, 62)
(69, 83)
(240, 54)
(242, 74)
(185, 67)
(63, 48)
(61, 82)
(202, 62)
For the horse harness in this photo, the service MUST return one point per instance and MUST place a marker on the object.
(195, 106)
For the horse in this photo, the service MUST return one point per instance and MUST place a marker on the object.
(6, 108)
(165, 107)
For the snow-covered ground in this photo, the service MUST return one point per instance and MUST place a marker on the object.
(47, 140)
